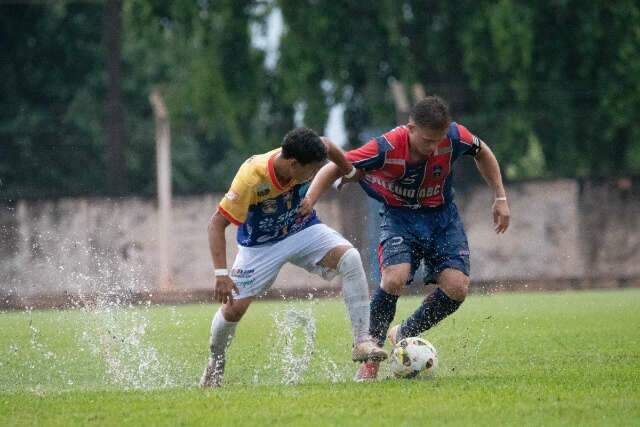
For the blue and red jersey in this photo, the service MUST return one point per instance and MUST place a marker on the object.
(394, 180)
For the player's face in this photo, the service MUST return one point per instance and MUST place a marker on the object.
(302, 172)
(425, 140)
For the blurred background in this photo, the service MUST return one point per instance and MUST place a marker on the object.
(552, 86)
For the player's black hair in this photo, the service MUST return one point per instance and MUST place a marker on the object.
(431, 113)
(304, 145)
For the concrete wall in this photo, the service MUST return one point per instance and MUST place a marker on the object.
(565, 229)
(561, 230)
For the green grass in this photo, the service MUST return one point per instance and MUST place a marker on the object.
(531, 359)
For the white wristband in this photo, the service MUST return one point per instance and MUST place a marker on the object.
(351, 173)
(501, 199)
(221, 272)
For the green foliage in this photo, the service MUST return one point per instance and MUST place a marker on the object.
(566, 358)
(200, 57)
(553, 87)
(51, 139)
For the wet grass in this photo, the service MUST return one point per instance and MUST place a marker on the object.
(570, 358)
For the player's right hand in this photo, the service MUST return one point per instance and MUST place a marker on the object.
(223, 288)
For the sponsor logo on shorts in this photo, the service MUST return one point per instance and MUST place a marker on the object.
(397, 240)
(241, 273)
(244, 283)
(231, 196)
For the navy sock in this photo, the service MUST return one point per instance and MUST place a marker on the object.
(383, 310)
(433, 309)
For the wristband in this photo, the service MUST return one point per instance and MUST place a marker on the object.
(501, 199)
(221, 272)
(351, 173)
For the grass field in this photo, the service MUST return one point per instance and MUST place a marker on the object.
(570, 358)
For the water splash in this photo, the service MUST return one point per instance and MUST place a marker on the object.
(109, 291)
(118, 336)
(295, 341)
(297, 357)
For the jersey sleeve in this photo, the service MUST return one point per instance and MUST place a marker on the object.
(368, 157)
(468, 143)
(235, 204)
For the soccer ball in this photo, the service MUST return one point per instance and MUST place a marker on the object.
(412, 357)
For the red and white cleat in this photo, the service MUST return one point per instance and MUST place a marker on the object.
(368, 371)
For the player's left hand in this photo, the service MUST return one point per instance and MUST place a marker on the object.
(305, 208)
(501, 216)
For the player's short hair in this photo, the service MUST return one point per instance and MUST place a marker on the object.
(303, 145)
(431, 113)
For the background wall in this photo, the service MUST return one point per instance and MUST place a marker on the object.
(563, 232)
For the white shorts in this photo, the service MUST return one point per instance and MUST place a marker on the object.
(256, 267)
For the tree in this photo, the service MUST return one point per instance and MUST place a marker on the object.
(50, 117)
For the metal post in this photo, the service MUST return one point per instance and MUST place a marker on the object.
(163, 173)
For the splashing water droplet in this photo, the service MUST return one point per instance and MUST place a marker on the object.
(295, 340)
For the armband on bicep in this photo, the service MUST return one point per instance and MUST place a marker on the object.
(476, 146)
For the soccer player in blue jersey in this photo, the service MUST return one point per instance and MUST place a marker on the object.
(264, 202)
(409, 170)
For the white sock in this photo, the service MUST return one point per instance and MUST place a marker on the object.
(222, 332)
(356, 293)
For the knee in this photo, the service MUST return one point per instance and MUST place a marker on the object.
(393, 283)
(233, 313)
(350, 262)
(456, 286)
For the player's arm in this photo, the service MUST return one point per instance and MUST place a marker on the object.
(490, 170)
(339, 166)
(233, 208)
(322, 181)
(337, 157)
(218, 248)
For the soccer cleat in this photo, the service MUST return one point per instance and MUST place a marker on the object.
(394, 335)
(368, 350)
(368, 371)
(213, 373)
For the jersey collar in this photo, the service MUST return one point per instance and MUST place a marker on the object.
(272, 172)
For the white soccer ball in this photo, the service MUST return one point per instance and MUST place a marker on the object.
(413, 356)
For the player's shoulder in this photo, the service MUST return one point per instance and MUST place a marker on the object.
(397, 135)
(393, 138)
(254, 170)
(460, 132)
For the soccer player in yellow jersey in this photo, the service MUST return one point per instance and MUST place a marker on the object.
(264, 201)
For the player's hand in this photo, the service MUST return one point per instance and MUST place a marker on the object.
(223, 288)
(501, 216)
(355, 178)
(342, 181)
(305, 208)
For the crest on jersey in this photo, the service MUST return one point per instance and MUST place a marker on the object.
(262, 190)
(437, 170)
(443, 150)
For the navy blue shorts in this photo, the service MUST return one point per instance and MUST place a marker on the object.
(433, 236)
